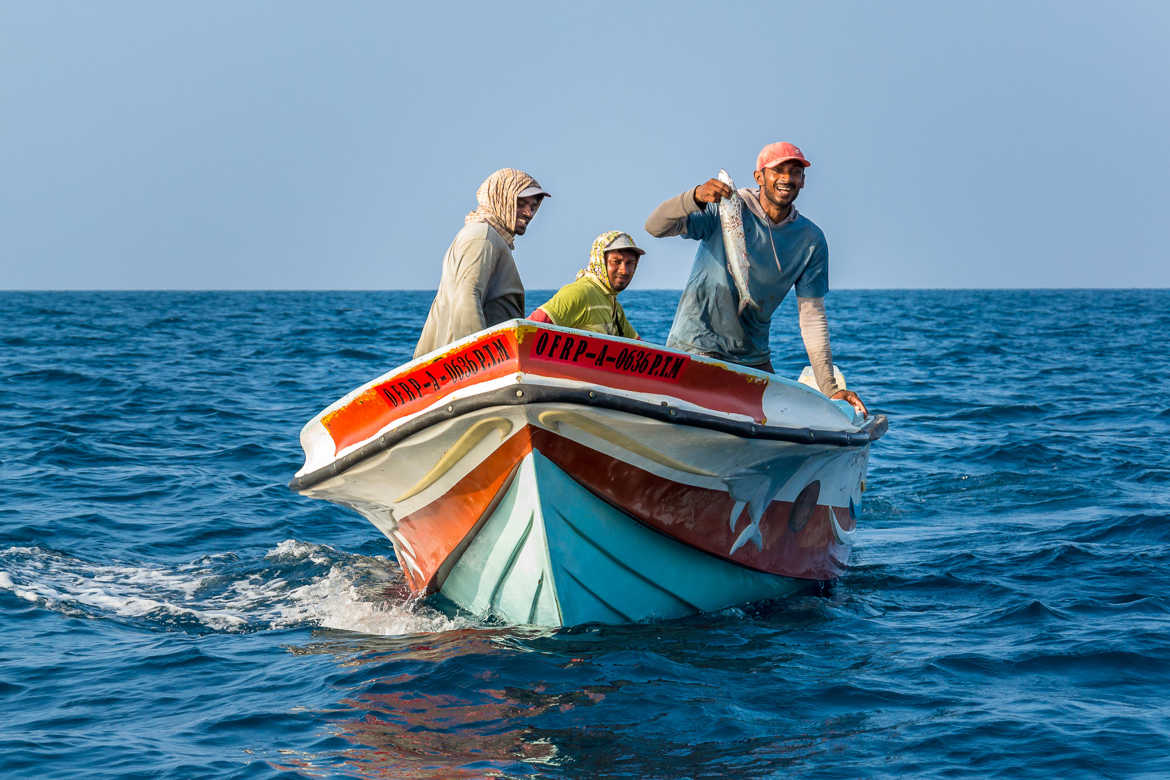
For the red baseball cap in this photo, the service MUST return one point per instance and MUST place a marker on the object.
(782, 151)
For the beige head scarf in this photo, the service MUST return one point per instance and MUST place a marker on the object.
(497, 201)
(596, 268)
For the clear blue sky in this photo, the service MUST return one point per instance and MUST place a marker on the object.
(286, 145)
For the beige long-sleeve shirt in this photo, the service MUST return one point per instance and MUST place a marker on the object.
(480, 287)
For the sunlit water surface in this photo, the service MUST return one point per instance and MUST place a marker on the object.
(171, 609)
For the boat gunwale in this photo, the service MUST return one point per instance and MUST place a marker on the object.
(522, 394)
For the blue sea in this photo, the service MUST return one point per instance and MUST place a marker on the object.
(171, 609)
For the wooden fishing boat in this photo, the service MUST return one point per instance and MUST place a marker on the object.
(555, 477)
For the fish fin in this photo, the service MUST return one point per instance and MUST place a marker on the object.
(746, 302)
(749, 534)
(736, 511)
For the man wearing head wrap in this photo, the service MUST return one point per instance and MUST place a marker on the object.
(784, 250)
(480, 285)
(590, 302)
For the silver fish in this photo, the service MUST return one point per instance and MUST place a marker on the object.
(734, 245)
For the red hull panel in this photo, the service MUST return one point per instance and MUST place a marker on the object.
(642, 369)
(699, 516)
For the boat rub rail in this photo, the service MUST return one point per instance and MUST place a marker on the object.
(524, 394)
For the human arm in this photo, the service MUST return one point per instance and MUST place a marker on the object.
(814, 331)
(670, 218)
(474, 263)
(811, 287)
(563, 309)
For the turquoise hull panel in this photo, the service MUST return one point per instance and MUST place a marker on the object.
(505, 570)
(552, 553)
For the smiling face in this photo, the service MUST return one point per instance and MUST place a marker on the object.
(525, 211)
(780, 185)
(621, 264)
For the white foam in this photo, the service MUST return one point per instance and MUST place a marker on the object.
(350, 594)
(335, 601)
(61, 583)
(291, 548)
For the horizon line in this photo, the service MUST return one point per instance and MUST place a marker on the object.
(432, 290)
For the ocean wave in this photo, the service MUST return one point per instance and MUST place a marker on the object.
(49, 379)
(1005, 612)
(294, 584)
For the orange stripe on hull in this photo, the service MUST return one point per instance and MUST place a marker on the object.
(408, 392)
(445, 525)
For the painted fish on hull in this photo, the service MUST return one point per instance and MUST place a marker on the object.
(734, 244)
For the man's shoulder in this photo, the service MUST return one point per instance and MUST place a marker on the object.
(804, 223)
(578, 288)
(802, 231)
(580, 283)
(479, 231)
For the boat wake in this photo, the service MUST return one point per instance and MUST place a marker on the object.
(293, 585)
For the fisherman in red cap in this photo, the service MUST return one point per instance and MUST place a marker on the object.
(784, 250)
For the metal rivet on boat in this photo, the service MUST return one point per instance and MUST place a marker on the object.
(519, 393)
(592, 394)
(673, 412)
(450, 408)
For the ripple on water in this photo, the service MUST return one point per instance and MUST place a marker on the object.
(170, 608)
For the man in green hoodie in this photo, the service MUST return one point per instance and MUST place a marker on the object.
(590, 302)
